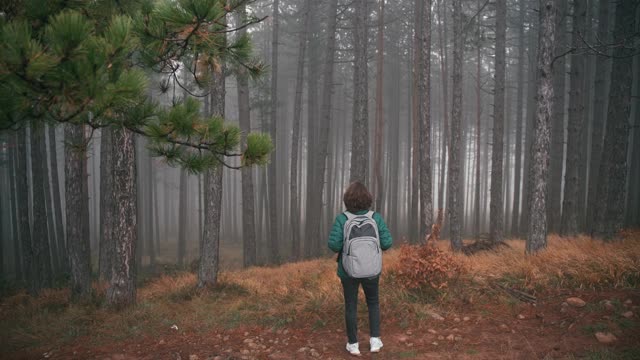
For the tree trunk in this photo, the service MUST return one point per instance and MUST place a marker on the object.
(77, 206)
(40, 243)
(210, 249)
(182, 217)
(569, 224)
(122, 289)
(22, 190)
(538, 172)
(445, 99)
(614, 155)
(557, 120)
(424, 81)
(414, 216)
(455, 199)
(360, 132)
(274, 251)
(15, 205)
(496, 216)
(312, 126)
(531, 116)
(633, 196)
(314, 227)
(59, 251)
(107, 207)
(478, 118)
(515, 215)
(603, 70)
(378, 144)
(149, 223)
(294, 204)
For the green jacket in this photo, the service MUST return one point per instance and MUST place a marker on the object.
(336, 236)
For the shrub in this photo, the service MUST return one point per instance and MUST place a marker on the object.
(421, 266)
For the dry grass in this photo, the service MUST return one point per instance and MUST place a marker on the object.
(307, 291)
(567, 262)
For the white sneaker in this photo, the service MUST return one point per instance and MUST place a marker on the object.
(376, 344)
(353, 349)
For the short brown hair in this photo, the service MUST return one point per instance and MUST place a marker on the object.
(357, 197)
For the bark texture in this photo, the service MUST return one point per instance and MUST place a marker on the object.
(122, 289)
(107, 205)
(538, 172)
(77, 206)
(424, 85)
(455, 193)
(496, 215)
(210, 249)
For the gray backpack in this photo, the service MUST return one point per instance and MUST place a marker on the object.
(361, 252)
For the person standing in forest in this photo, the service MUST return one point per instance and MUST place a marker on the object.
(366, 234)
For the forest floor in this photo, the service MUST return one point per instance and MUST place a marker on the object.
(294, 311)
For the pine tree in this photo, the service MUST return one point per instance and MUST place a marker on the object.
(538, 172)
(75, 65)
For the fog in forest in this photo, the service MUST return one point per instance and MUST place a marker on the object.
(347, 91)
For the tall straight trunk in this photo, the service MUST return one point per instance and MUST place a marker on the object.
(613, 166)
(603, 70)
(442, 38)
(140, 194)
(557, 120)
(313, 221)
(478, 118)
(455, 199)
(360, 132)
(59, 250)
(40, 243)
(22, 191)
(15, 206)
(633, 196)
(77, 206)
(54, 265)
(6, 228)
(531, 116)
(570, 210)
(312, 125)
(394, 135)
(274, 251)
(182, 216)
(414, 216)
(515, 213)
(496, 216)
(122, 289)
(248, 211)
(210, 249)
(149, 223)
(107, 205)
(586, 99)
(424, 81)
(538, 172)
(378, 144)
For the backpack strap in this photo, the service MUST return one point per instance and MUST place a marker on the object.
(349, 215)
(369, 214)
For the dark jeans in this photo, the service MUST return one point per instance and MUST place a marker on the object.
(350, 290)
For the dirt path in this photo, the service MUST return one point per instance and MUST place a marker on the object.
(549, 330)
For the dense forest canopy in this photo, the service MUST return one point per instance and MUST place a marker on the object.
(129, 128)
